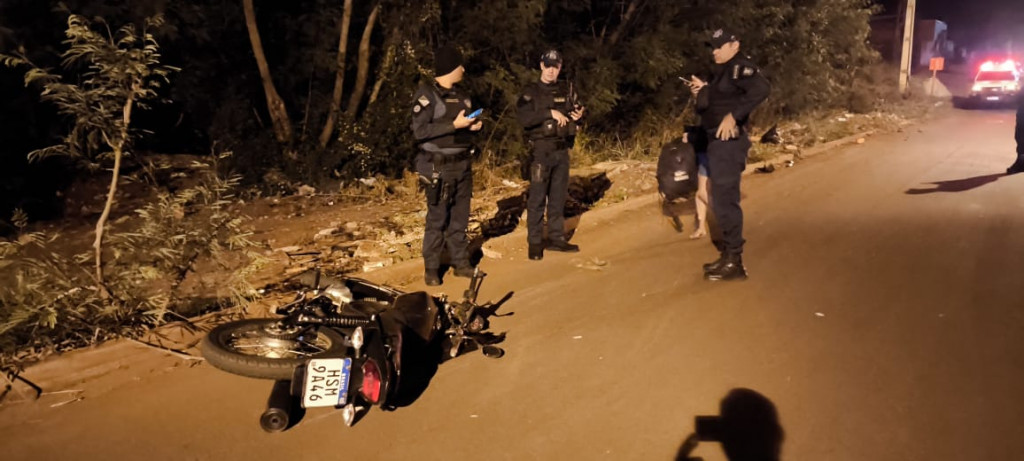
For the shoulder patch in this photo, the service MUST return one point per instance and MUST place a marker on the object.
(743, 71)
(417, 108)
(423, 101)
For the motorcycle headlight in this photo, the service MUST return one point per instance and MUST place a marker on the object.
(339, 295)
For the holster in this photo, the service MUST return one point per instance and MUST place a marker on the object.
(432, 189)
(447, 192)
(525, 161)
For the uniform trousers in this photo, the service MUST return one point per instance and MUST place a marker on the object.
(448, 216)
(549, 189)
(726, 162)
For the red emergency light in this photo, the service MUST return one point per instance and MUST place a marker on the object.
(990, 66)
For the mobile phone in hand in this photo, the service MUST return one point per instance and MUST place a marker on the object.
(475, 114)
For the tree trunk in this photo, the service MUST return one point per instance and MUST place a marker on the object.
(339, 77)
(386, 64)
(622, 25)
(275, 105)
(118, 148)
(364, 65)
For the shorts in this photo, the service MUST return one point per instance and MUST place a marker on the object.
(702, 164)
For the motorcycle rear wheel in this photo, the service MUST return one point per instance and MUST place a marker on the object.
(258, 348)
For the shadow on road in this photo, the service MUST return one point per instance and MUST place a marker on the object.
(957, 185)
(420, 359)
(963, 102)
(747, 427)
(584, 192)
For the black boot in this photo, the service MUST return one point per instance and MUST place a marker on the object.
(731, 269)
(1017, 167)
(431, 278)
(536, 252)
(716, 264)
(563, 246)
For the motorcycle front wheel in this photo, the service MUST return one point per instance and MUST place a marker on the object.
(262, 348)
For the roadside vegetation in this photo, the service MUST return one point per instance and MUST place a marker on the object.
(274, 99)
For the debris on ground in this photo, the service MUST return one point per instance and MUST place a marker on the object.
(491, 254)
(593, 263)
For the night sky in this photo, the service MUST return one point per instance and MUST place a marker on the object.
(979, 23)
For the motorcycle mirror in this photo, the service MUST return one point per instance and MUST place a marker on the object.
(493, 352)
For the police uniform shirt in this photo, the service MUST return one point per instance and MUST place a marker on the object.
(737, 87)
(435, 125)
(538, 98)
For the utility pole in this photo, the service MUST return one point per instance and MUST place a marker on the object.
(908, 49)
(897, 35)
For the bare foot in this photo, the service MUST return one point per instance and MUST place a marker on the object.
(698, 232)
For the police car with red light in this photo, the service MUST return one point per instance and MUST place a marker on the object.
(997, 81)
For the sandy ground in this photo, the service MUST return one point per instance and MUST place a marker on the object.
(882, 320)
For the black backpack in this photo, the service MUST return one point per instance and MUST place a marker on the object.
(677, 170)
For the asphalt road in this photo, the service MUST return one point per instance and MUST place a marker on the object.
(883, 320)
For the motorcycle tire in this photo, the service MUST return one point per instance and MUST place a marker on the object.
(279, 356)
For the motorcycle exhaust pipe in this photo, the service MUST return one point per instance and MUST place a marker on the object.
(280, 407)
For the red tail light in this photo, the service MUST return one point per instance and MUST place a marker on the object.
(370, 389)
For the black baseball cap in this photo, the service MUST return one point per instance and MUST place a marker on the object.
(720, 37)
(551, 58)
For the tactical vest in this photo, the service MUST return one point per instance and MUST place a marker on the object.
(558, 97)
(446, 108)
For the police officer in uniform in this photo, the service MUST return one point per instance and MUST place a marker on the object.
(445, 136)
(548, 110)
(1018, 165)
(724, 103)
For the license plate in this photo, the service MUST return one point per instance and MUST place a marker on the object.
(993, 98)
(326, 382)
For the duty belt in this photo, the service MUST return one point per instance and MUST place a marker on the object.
(445, 155)
(557, 143)
(445, 159)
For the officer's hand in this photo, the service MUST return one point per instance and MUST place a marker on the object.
(727, 129)
(477, 126)
(578, 113)
(696, 84)
(461, 121)
(559, 117)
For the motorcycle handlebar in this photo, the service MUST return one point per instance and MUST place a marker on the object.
(474, 286)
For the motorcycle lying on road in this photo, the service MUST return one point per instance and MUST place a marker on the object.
(351, 344)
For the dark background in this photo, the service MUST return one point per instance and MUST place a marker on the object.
(629, 86)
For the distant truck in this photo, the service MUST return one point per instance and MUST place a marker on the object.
(997, 81)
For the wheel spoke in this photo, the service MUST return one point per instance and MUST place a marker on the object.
(258, 343)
